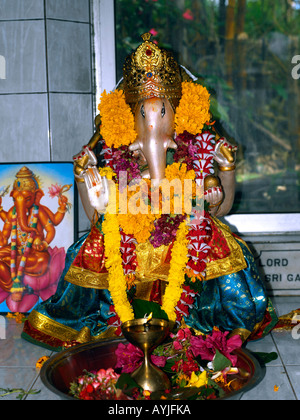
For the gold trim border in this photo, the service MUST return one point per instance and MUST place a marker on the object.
(85, 278)
(233, 263)
(57, 330)
(151, 264)
(242, 332)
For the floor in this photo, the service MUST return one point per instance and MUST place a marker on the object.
(281, 379)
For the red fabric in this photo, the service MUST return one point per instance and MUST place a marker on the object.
(91, 254)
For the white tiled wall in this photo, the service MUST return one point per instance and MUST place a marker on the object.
(46, 111)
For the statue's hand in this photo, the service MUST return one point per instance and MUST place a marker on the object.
(213, 193)
(225, 153)
(83, 160)
(62, 202)
(93, 188)
(214, 196)
(97, 189)
(39, 245)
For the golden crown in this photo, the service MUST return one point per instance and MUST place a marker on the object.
(149, 72)
(26, 181)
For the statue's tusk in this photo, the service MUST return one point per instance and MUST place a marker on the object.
(172, 145)
(135, 146)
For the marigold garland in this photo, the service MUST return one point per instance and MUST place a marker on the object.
(117, 279)
(179, 170)
(178, 200)
(117, 127)
(137, 201)
(142, 229)
(176, 275)
(193, 109)
(113, 263)
(17, 274)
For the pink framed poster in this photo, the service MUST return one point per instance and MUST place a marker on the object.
(38, 223)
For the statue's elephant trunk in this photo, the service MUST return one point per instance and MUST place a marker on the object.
(22, 212)
(154, 124)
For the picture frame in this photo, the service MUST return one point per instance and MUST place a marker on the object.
(52, 180)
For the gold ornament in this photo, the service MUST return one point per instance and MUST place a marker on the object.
(211, 181)
(26, 181)
(151, 71)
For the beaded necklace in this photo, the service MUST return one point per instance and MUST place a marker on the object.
(17, 274)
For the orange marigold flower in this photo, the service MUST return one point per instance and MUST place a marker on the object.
(117, 120)
(193, 110)
(41, 361)
(179, 171)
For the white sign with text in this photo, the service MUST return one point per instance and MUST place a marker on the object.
(279, 267)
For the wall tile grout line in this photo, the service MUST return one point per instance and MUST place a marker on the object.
(42, 19)
(43, 93)
(284, 367)
(47, 82)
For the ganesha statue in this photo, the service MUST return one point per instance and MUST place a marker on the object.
(154, 180)
(25, 255)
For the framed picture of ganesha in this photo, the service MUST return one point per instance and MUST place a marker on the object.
(38, 222)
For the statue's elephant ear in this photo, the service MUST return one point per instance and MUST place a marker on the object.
(38, 196)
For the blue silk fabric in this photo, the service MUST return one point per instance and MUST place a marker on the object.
(77, 307)
(229, 302)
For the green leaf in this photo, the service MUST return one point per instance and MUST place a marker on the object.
(220, 362)
(196, 286)
(264, 358)
(170, 156)
(127, 384)
(168, 366)
(20, 391)
(217, 389)
(142, 307)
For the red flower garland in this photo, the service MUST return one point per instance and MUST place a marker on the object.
(185, 303)
(203, 162)
(128, 255)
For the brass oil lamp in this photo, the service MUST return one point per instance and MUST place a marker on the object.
(147, 333)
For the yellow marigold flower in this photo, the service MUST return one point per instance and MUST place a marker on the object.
(179, 171)
(113, 263)
(182, 378)
(117, 120)
(108, 172)
(140, 226)
(198, 381)
(176, 275)
(138, 219)
(193, 109)
(17, 316)
(176, 174)
(41, 361)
